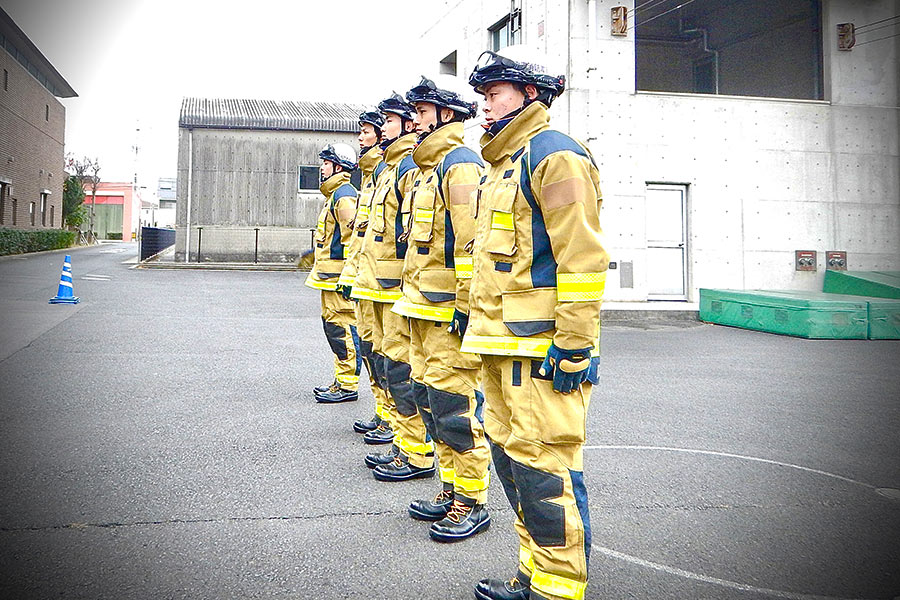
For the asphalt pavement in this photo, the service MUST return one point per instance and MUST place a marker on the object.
(160, 440)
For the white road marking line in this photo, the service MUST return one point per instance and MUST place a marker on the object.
(743, 587)
(739, 456)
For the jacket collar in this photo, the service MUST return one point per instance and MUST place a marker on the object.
(399, 148)
(531, 121)
(334, 182)
(370, 160)
(437, 144)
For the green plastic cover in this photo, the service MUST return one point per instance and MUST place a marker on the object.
(803, 314)
(878, 284)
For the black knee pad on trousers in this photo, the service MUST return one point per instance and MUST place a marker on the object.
(420, 397)
(400, 385)
(335, 336)
(365, 352)
(503, 466)
(452, 428)
(376, 361)
(545, 521)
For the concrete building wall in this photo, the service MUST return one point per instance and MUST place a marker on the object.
(764, 177)
(32, 136)
(244, 180)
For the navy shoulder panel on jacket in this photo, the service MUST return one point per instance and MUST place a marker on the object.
(406, 165)
(462, 154)
(550, 141)
(344, 191)
(379, 169)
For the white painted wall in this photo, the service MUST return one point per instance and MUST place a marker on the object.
(765, 177)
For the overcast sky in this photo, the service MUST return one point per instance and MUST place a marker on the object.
(132, 61)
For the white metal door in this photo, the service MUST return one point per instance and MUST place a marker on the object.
(666, 208)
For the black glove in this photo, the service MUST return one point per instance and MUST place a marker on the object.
(344, 290)
(459, 323)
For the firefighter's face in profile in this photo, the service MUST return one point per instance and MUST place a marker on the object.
(503, 97)
(367, 136)
(327, 169)
(426, 117)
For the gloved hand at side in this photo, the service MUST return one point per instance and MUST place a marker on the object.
(459, 323)
(569, 367)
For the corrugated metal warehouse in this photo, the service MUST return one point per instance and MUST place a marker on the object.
(248, 180)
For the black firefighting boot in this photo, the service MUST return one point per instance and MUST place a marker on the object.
(517, 588)
(361, 426)
(383, 434)
(338, 395)
(434, 509)
(326, 388)
(464, 519)
(374, 459)
(401, 470)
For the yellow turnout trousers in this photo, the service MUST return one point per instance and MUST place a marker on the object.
(339, 322)
(536, 437)
(365, 316)
(445, 383)
(409, 430)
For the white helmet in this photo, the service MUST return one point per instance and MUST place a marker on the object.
(340, 154)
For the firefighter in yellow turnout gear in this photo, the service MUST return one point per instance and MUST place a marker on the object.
(538, 277)
(436, 280)
(332, 238)
(371, 165)
(378, 279)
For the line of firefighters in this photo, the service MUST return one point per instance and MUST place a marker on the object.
(472, 294)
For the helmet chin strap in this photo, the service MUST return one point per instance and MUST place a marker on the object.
(499, 124)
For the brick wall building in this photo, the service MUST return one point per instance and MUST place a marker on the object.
(32, 133)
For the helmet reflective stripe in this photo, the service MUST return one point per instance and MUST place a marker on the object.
(428, 91)
(340, 154)
(398, 106)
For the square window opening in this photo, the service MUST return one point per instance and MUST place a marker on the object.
(765, 48)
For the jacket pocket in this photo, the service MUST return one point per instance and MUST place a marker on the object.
(423, 215)
(529, 312)
(329, 269)
(388, 272)
(376, 214)
(438, 285)
(502, 236)
(320, 225)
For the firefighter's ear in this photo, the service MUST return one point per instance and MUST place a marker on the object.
(531, 91)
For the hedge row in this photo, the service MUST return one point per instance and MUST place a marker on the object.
(19, 241)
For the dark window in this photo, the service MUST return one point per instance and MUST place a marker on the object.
(46, 112)
(308, 178)
(507, 31)
(44, 209)
(448, 64)
(768, 48)
(5, 80)
(31, 212)
(51, 215)
(15, 210)
(2, 202)
(356, 178)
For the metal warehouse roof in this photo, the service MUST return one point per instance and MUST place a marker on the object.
(286, 115)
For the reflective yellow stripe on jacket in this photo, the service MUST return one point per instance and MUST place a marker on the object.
(420, 311)
(319, 284)
(580, 287)
(389, 296)
(463, 267)
(503, 345)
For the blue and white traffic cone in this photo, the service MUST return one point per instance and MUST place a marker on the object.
(66, 294)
